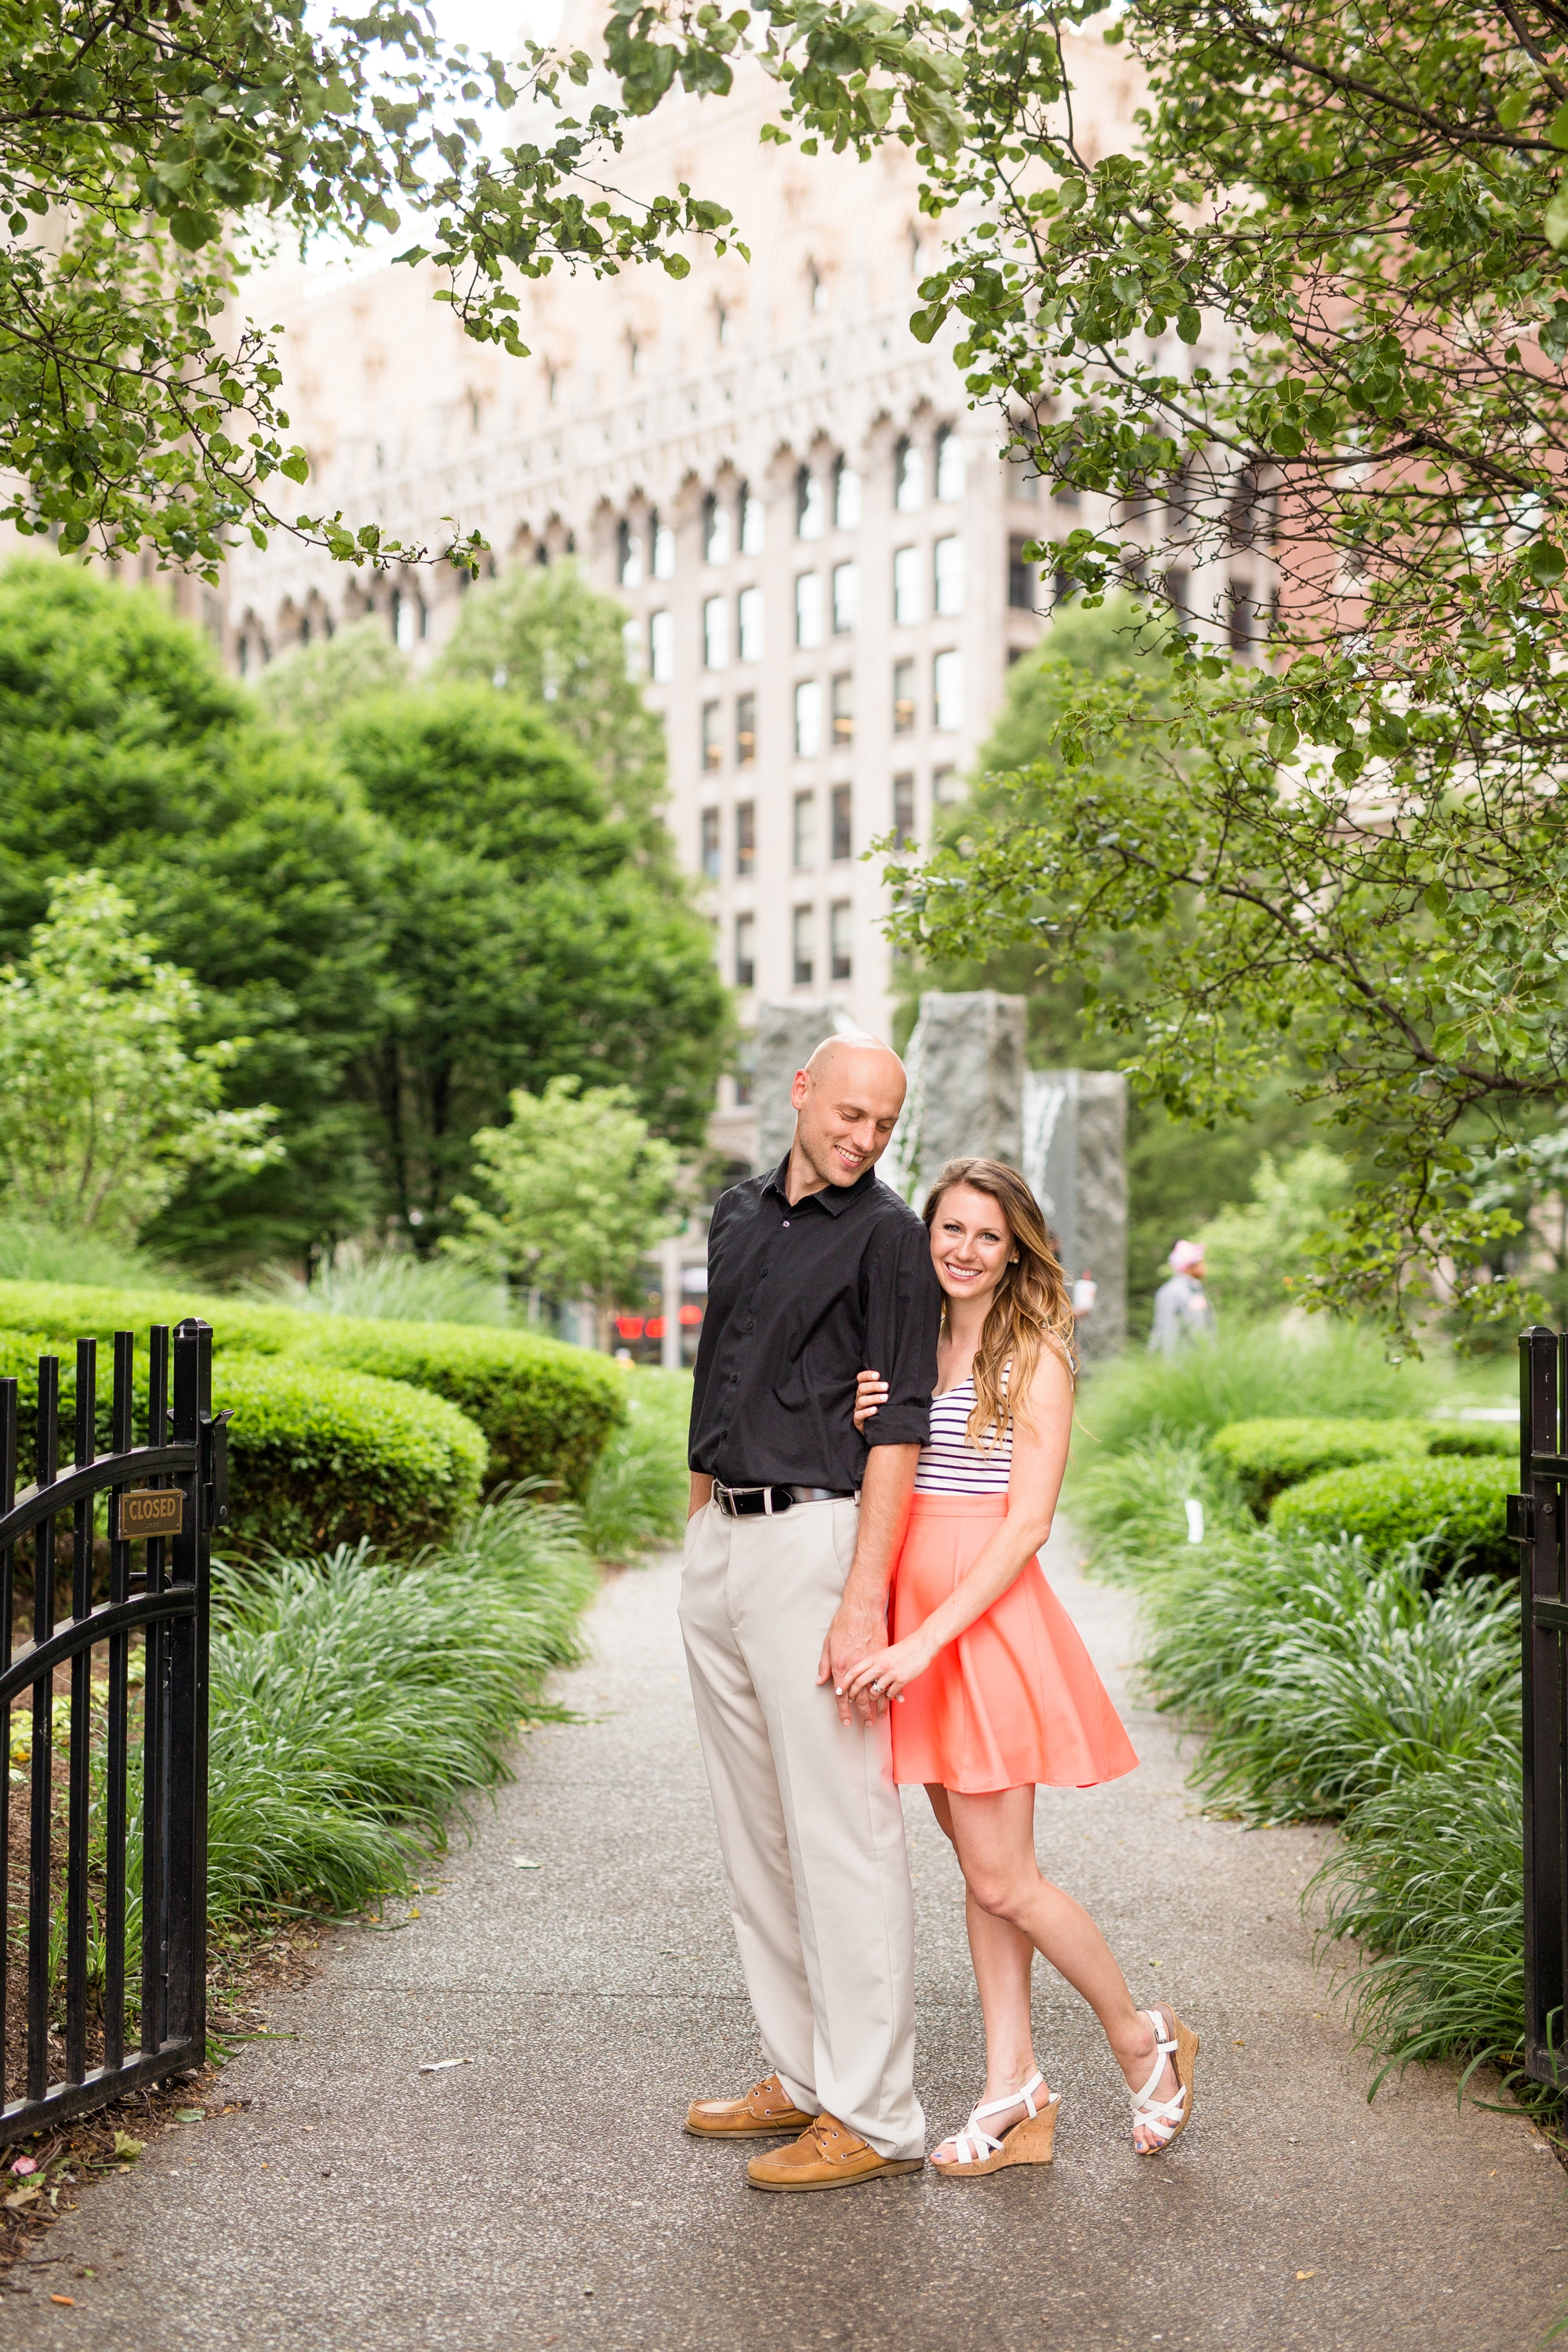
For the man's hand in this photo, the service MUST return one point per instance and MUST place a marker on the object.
(855, 1633)
(702, 1494)
(860, 1621)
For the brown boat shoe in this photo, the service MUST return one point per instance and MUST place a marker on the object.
(828, 2155)
(766, 2109)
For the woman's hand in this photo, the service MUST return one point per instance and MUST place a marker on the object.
(885, 1674)
(870, 1390)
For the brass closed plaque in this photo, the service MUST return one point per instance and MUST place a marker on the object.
(151, 1511)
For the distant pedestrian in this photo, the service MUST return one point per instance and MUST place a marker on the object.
(1181, 1308)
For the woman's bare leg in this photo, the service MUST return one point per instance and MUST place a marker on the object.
(995, 1839)
(1004, 1960)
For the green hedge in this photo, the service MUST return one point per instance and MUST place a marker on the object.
(1395, 1503)
(546, 1409)
(320, 1457)
(1264, 1457)
(1473, 1437)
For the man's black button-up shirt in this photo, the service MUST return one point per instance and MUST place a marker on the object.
(800, 1299)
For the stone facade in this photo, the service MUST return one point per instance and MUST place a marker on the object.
(1075, 1159)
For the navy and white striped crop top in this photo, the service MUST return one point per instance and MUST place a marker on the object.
(949, 1465)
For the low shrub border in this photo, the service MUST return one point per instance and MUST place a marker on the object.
(1264, 1457)
(320, 1457)
(546, 1409)
(1456, 1506)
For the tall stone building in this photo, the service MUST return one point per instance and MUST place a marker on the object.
(815, 541)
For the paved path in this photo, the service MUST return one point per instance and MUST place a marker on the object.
(544, 2195)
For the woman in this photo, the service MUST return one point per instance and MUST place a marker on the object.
(991, 1691)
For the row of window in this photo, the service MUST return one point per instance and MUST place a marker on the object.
(737, 525)
(826, 718)
(804, 931)
(945, 786)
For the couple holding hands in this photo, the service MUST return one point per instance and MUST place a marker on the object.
(882, 1408)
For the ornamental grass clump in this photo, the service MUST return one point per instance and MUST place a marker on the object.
(357, 1699)
(1253, 1370)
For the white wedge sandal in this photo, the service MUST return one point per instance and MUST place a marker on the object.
(1167, 2119)
(1029, 2141)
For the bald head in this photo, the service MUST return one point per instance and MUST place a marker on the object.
(846, 1100)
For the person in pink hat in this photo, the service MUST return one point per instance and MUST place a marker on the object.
(1181, 1309)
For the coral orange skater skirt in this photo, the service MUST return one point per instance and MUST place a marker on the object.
(1015, 1698)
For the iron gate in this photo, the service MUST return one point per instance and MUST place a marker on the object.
(163, 1499)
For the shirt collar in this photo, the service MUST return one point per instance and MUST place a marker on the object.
(834, 1198)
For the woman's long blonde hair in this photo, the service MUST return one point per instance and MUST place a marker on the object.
(1032, 1306)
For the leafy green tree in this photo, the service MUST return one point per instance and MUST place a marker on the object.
(133, 411)
(525, 940)
(103, 1109)
(308, 689)
(579, 1192)
(541, 633)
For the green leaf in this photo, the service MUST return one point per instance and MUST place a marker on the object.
(192, 229)
(1557, 128)
(1437, 898)
(1545, 564)
(297, 466)
(1286, 441)
(1282, 739)
(1555, 221)
(1189, 325)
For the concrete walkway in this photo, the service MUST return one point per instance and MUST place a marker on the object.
(544, 2195)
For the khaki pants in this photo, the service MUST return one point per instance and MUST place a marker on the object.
(809, 1820)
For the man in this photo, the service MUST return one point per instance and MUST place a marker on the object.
(1181, 1309)
(814, 1271)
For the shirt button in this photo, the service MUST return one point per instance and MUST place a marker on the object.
(786, 1225)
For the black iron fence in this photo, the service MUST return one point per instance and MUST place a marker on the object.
(116, 1840)
(1535, 1520)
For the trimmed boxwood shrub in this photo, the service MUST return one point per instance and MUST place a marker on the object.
(546, 1409)
(1264, 1457)
(319, 1457)
(1395, 1503)
(1483, 1437)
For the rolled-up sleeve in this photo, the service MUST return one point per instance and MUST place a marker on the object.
(903, 1318)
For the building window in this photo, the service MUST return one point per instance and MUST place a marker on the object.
(1238, 615)
(807, 719)
(748, 623)
(843, 713)
(909, 478)
(842, 830)
(723, 324)
(628, 555)
(715, 529)
(747, 730)
(663, 537)
(807, 505)
(1023, 474)
(805, 840)
(803, 943)
(808, 609)
(817, 286)
(906, 585)
(903, 698)
(841, 940)
(661, 647)
(945, 786)
(846, 598)
(631, 642)
(751, 527)
(1020, 577)
(713, 738)
(845, 496)
(1179, 589)
(745, 837)
(715, 632)
(949, 576)
(745, 950)
(711, 844)
(951, 469)
(947, 692)
(745, 1070)
(903, 811)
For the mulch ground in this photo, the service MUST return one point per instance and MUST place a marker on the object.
(246, 1968)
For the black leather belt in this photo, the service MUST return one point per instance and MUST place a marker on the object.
(766, 1502)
